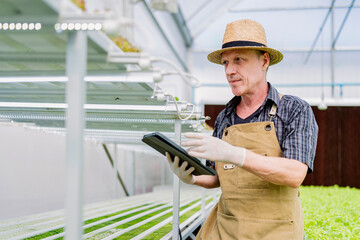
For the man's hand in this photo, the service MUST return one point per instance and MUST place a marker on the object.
(183, 175)
(214, 149)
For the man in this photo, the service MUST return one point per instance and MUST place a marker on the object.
(262, 147)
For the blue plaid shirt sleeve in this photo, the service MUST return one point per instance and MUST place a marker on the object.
(300, 138)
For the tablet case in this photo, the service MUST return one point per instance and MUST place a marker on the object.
(163, 144)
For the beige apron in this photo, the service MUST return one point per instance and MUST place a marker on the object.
(250, 207)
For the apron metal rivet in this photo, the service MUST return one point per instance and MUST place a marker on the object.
(229, 166)
(268, 127)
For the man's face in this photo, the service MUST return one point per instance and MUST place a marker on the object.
(245, 70)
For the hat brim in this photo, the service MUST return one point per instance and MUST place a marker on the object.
(275, 55)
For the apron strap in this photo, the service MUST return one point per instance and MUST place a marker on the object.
(273, 109)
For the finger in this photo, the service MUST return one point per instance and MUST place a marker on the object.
(176, 162)
(184, 165)
(189, 171)
(194, 135)
(189, 143)
(169, 158)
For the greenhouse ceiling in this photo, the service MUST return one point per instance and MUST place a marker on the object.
(319, 39)
(290, 25)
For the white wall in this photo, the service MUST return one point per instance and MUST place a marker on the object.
(33, 170)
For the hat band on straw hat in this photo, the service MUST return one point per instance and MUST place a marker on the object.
(242, 44)
(245, 34)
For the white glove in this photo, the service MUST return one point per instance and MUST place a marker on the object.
(183, 175)
(214, 149)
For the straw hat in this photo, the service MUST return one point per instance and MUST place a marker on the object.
(245, 34)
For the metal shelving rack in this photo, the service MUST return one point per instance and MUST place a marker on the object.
(71, 98)
(126, 217)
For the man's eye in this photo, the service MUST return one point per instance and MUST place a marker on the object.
(238, 59)
(224, 62)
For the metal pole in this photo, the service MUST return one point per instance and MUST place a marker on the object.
(116, 171)
(334, 40)
(320, 31)
(203, 195)
(143, 177)
(184, 30)
(130, 171)
(332, 53)
(343, 23)
(176, 188)
(287, 9)
(75, 123)
(203, 202)
(133, 166)
(163, 172)
(183, 64)
(118, 175)
(201, 7)
(223, 7)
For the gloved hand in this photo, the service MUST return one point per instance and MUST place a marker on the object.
(214, 149)
(183, 175)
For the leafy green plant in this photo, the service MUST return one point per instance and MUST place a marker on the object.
(331, 212)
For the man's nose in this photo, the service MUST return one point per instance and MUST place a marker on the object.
(230, 69)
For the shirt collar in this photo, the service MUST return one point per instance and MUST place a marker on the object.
(272, 95)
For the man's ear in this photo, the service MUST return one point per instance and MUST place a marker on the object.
(266, 60)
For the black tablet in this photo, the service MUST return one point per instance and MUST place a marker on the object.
(163, 144)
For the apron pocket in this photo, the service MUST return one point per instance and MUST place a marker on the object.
(231, 227)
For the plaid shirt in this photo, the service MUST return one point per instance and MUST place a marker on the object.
(295, 125)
